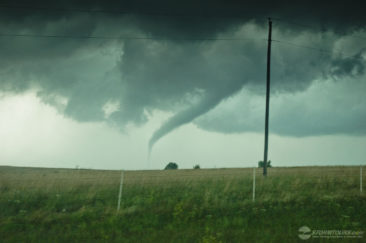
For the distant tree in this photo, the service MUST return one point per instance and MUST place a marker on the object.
(196, 167)
(261, 164)
(171, 166)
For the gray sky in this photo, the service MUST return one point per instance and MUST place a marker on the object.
(184, 81)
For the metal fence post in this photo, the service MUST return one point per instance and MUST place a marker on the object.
(360, 179)
(253, 184)
(120, 192)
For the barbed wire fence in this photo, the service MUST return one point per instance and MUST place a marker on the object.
(121, 191)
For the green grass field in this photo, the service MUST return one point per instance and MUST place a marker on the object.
(205, 205)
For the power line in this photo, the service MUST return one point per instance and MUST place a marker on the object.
(172, 39)
(124, 12)
(123, 37)
(177, 14)
(167, 39)
(98, 11)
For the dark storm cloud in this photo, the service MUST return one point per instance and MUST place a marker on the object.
(162, 74)
(173, 72)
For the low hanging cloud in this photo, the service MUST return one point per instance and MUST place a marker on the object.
(326, 108)
(175, 64)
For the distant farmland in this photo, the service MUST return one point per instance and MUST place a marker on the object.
(203, 205)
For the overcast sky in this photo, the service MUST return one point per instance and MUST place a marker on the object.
(183, 80)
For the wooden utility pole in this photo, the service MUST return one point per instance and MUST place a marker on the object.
(267, 97)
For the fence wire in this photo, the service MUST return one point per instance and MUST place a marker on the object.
(101, 188)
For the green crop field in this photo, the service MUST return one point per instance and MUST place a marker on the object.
(203, 205)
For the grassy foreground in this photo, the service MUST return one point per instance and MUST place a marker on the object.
(206, 205)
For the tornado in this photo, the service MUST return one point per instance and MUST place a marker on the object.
(208, 102)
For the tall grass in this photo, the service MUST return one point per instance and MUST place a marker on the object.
(59, 205)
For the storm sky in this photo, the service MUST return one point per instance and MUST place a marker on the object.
(99, 85)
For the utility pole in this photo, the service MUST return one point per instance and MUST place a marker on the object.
(267, 97)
